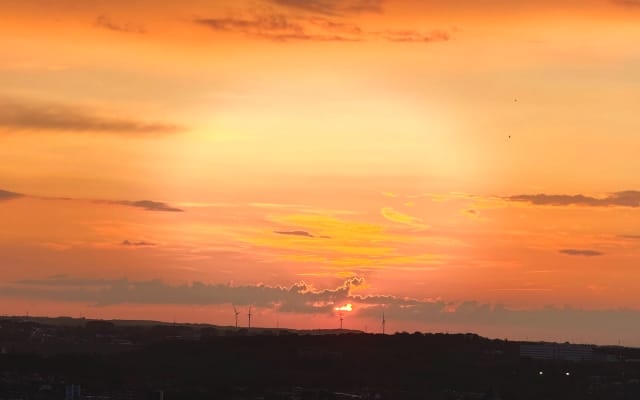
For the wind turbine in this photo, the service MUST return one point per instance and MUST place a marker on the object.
(249, 317)
(341, 320)
(384, 322)
(237, 313)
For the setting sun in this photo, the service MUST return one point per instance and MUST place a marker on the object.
(348, 308)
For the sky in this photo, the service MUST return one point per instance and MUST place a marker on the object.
(461, 166)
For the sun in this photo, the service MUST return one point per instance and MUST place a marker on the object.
(348, 307)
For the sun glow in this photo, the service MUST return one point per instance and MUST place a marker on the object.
(348, 307)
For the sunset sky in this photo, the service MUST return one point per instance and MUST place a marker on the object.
(465, 166)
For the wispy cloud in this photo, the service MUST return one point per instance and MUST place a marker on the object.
(412, 36)
(401, 218)
(335, 26)
(276, 26)
(627, 3)
(7, 195)
(106, 22)
(333, 7)
(300, 233)
(148, 205)
(36, 116)
(581, 252)
(628, 198)
(137, 244)
(295, 233)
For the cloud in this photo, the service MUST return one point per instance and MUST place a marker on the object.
(136, 244)
(300, 297)
(628, 198)
(148, 205)
(411, 36)
(335, 26)
(303, 298)
(6, 195)
(561, 322)
(577, 252)
(302, 234)
(400, 218)
(20, 116)
(105, 22)
(632, 237)
(282, 28)
(276, 27)
(627, 3)
(333, 7)
(295, 233)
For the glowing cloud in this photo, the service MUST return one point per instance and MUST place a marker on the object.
(348, 308)
(400, 218)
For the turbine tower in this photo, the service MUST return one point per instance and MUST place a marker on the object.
(237, 313)
(384, 322)
(249, 317)
(341, 320)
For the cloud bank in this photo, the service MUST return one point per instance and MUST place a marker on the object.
(141, 243)
(577, 252)
(304, 298)
(283, 27)
(7, 195)
(333, 7)
(300, 297)
(148, 205)
(628, 198)
(35, 116)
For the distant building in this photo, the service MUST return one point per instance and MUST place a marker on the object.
(557, 351)
(72, 392)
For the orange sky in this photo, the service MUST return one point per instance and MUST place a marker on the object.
(465, 167)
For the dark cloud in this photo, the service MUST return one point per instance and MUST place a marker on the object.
(335, 26)
(411, 36)
(299, 297)
(276, 27)
(560, 321)
(64, 280)
(283, 28)
(301, 233)
(629, 198)
(333, 7)
(633, 237)
(105, 22)
(295, 233)
(148, 205)
(303, 298)
(627, 3)
(578, 252)
(137, 244)
(18, 115)
(6, 195)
